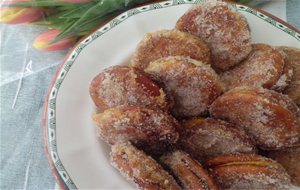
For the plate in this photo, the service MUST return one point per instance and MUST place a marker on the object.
(76, 157)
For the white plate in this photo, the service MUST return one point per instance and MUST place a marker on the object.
(77, 158)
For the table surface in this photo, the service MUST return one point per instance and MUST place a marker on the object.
(25, 76)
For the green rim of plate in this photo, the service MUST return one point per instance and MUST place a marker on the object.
(51, 113)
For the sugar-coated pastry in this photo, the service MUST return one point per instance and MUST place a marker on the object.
(224, 29)
(192, 84)
(141, 169)
(286, 76)
(122, 85)
(207, 138)
(262, 68)
(290, 160)
(248, 171)
(271, 118)
(293, 59)
(166, 43)
(142, 126)
(189, 172)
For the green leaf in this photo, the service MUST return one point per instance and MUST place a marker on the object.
(44, 3)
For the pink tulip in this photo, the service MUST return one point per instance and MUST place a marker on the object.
(43, 41)
(16, 15)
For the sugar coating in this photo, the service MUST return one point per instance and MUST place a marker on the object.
(287, 74)
(140, 168)
(213, 137)
(262, 68)
(166, 43)
(188, 171)
(293, 59)
(224, 29)
(145, 127)
(269, 117)
(193, 85)
(248, 172)
(289, 159)
(121, 85)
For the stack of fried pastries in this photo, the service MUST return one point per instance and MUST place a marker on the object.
(200, 104)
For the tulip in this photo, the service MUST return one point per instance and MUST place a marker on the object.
(17, 15)
(43, 41)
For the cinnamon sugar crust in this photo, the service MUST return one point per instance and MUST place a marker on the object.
(140, 168)
(269, 117)
(248, 172)
(264, 67)
(224, 30)
(192, 84)
(205, 138)
(122, 85)
(166, 43)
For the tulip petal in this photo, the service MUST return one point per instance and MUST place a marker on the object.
(43, 41)
(16, 15)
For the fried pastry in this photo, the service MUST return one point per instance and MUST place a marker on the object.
(122, 85)
(246, 171)
(271, 118)
(207, 138)
(188, 171)
(144, 127)
(166, 43)
(290, 160)
(141, 169)
(293, 59)
(224, 30)
(286, 76)
(192, 84)
(262, 68)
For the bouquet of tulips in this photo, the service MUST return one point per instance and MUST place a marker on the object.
(67, 20)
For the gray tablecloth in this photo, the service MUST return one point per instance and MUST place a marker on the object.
(25, 76)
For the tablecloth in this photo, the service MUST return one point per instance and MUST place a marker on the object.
(25, 76)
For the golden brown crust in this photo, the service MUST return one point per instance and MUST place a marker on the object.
(262, 68)
(141, 169)
(188, 171)
(207, 138)
(193, 85)
(144, 127)
(166, 43)
(293, 59)
(121, 85)
(290, 160)
(248, 172)
(269, 117)
(224, 29)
